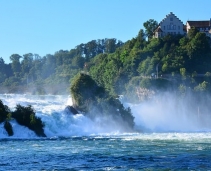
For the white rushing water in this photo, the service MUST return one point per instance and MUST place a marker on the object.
(58, 122)
(166, 113)
(149, 117)
(167, 136)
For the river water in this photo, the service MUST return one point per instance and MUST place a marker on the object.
(160, 142)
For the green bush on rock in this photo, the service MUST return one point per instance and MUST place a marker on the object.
(111, 106)
(26, 116)
(8, 128)
(84, 92)
(88, 97)
(4, 111)
(4, 117)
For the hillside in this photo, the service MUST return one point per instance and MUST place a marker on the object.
(137, 68)
(52, 73)
(173, 63)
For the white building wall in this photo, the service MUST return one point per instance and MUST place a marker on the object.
(171, 25)
(206, 30)
(188, 26)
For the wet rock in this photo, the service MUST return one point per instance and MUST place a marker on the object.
(71, 109)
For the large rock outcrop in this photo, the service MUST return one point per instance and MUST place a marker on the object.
(94, 101)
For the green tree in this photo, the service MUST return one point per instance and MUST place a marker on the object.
(78, 62)
(26, 63)
(150, 27)
(49, 66)
(141, 39)
(2, 70)
(143, 66)
(16, 66)
(95, 101)
(2, 64)
(192, 32)
(110, 45)
(84, 91)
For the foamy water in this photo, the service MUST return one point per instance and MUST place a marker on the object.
(163, 139)
(58, 122)
(150, 117)
(166, 113)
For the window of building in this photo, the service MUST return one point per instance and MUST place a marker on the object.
(164, 27)
(178, 27)
(171, 26)
(171, 19)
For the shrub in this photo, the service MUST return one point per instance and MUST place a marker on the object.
(26, 116)
(111, 106)
(4, 111)
(8, 128)
(89, 97)
(84, 91)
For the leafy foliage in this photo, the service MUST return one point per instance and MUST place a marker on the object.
(112, 106)
(175, 59)
(84, 91)
(8, 128)
(4, 112)
(26, 116)
(90, 98)
(51, 73)
(150, 26)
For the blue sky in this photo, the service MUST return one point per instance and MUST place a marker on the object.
(46, 26)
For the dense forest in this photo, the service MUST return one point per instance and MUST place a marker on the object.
(137, 68)
(50, 74)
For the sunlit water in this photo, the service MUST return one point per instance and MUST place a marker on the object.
(78, 143)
